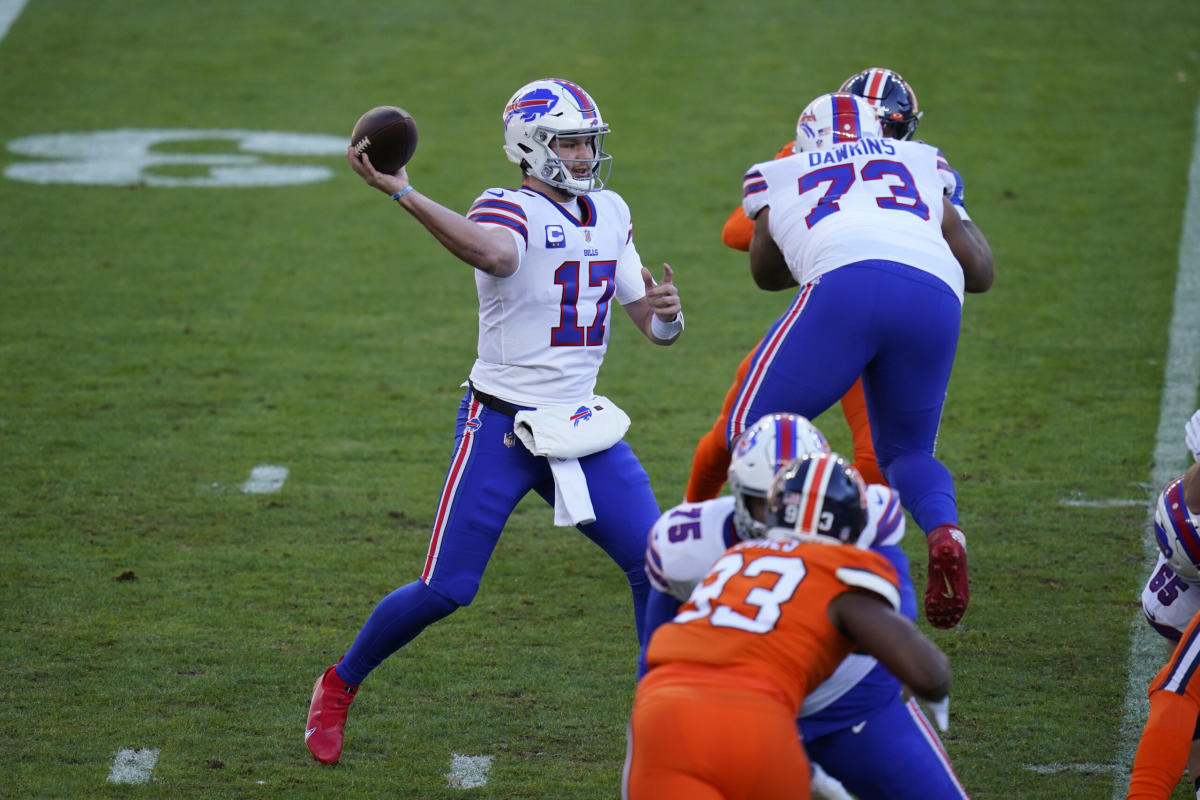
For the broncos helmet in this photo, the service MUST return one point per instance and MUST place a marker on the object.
(1177, 531)
(836, 118)
(758, 454)
(550, 110)
(891, 94)
(818, 494)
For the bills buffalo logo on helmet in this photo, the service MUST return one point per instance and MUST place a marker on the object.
(531, 106)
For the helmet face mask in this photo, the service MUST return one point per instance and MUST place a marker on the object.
(818, 495)
(548, 117)
(837, 118)
(757, 455)
(899, 112)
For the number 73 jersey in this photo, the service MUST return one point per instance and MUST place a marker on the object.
(874, 199)
(762, 610)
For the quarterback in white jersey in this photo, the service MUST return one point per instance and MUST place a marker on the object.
(551, 260)
(543, 330)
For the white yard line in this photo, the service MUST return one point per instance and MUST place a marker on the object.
(133, 766)
(469, 772)
(9, 11)
(265, 479)
(1178, 403)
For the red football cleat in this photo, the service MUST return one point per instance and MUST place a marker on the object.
(331, 700)
(947, 590)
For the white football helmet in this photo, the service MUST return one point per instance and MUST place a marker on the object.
(836, 118)
(1177, 532)
(546, 112)
(758, 454)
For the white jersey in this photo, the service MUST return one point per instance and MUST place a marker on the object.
(543, 330)
(875, 199)
(1168, 601)
(687, 539)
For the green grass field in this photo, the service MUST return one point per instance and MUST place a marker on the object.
(160, 336)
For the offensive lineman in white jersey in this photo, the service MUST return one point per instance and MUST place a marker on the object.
(1171, 597)
(551, 258)
(882, 259)
(856, 726)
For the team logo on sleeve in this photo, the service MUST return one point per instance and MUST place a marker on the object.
(555, 237)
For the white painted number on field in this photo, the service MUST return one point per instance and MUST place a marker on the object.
(469, 772)
(154, 157)
(133, 766)
(265, 479)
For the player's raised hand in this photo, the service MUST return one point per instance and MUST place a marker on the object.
(388, 184)
(663, 297)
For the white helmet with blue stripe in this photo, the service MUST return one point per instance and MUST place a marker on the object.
(1177, 531)
(836, 118)
(758, 454)
(542, 115)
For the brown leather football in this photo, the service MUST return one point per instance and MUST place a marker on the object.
(388, 135)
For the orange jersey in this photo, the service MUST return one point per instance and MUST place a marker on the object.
(1162, 752)
(761, 612)
(739, 228)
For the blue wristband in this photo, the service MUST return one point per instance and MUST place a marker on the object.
(402, 192)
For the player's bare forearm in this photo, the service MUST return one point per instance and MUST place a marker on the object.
(488, 250)
(970, 247)
(767, 264)
(894, 641)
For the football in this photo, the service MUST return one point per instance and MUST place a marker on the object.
(388, 135)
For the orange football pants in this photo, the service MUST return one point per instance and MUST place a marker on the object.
(713, 741)
(710, 462)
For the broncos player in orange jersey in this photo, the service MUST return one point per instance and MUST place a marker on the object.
(715, 715)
